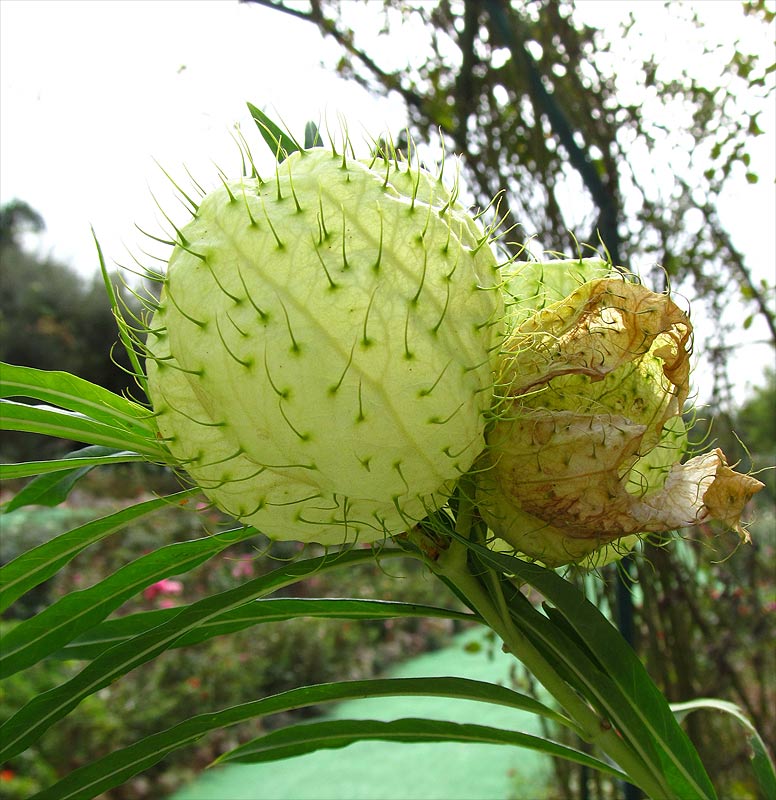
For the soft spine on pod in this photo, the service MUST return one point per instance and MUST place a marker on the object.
(322, 355)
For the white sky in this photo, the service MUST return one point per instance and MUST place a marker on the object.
(92, 92)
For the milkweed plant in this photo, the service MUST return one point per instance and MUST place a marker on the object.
(339, 352)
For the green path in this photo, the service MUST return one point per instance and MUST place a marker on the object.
(389, 771)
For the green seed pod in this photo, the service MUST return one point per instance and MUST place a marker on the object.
(584, 449)
(323, 352)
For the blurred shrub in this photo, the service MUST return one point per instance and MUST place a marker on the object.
(52, 318)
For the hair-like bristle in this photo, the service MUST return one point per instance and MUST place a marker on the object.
(412, 249)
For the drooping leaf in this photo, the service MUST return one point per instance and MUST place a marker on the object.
(120, 765)
(34, 566)
(29, 723)
(56, 478)
(308, 737)
(762, 765)
(111, 632)
(47, 490)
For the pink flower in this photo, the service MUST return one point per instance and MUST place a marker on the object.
(164, 586)
(243, 567)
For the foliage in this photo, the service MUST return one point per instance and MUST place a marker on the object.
(29, 528)
(285, 655)
(570, 646)
(588, 135)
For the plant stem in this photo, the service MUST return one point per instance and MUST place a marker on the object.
(453, 565)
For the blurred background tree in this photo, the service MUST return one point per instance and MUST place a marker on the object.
(51, 317)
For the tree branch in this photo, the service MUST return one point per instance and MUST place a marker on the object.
(580, 160)
(390, 80)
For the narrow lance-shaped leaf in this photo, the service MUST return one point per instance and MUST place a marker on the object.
(47, 490)
(39, 636)
(75, 394)
(578, 666)
(92, 456)
(312, 135)
(62, 424)
(114, 631)
(34, 566)
(309, 737)
(679, 759)
(59, 476)
(281, 144)
(120, 765)
(29, 723)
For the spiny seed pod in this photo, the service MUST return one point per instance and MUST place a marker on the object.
(323, 352)
(585, 446)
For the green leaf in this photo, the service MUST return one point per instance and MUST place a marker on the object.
(46, 490)
(38, 564)
(75, 394)
(117, 767)
(312, 136)
(72, 425)
(92, 456)
(114, 631)
(281, 144)
(754, 128)
(308, 737)
(762, 766)
(632, 702)
(29, 723)
(58, 477)
(580, 667)
(76, 612)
